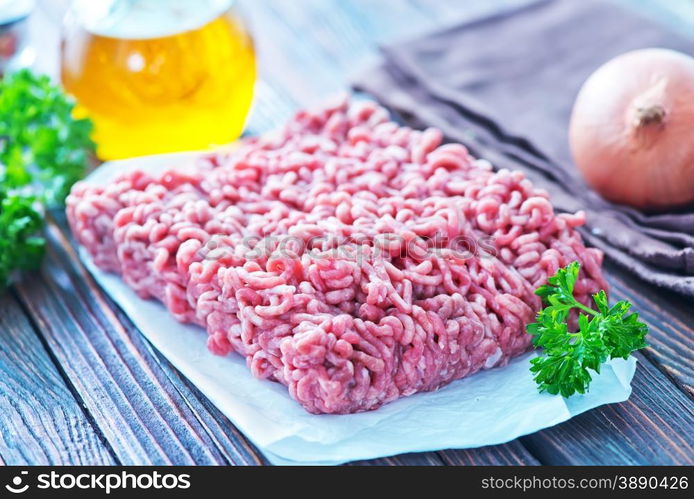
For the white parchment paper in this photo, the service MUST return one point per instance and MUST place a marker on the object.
(490, 407)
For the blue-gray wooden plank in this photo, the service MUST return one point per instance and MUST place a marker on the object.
(41, 422)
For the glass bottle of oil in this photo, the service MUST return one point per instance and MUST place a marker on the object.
(158, 75)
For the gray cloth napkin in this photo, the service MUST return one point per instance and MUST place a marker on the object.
(504, 86)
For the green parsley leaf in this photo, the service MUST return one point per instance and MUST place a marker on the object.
(20, 247)
(569, 357)
(43, 151)
(42, 147)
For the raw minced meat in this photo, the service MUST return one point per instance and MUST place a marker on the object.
(349, 258)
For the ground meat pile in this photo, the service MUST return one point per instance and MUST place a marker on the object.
(349, 258)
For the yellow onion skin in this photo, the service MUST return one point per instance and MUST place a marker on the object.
(632, 129)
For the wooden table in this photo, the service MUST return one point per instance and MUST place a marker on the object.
(80, 385)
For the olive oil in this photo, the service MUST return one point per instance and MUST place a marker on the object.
(159, 76)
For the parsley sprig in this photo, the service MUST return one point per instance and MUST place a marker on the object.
(20, 246)
(603, 333)
(43, 151)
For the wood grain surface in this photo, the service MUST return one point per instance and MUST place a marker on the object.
(42, 421)
(79, 384)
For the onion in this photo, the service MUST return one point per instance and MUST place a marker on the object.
(632, 129)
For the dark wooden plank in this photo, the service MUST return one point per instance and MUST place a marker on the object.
(42, 422)
(670, 319)
(513, 453)
(142, 414)
(228, 439)
(414, 459)
(653, 427)
(510, 454)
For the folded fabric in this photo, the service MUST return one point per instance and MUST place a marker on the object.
(504, 85)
